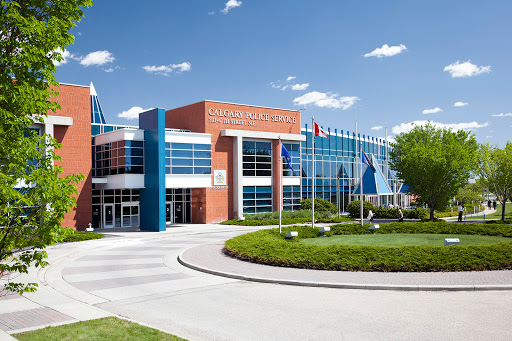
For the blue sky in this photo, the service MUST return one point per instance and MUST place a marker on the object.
(386, 63)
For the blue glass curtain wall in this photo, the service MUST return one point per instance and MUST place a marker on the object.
(335, 158)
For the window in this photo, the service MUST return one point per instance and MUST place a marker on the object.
(257, 158)
(122, 157)
(187, 158)
(257, 199)
(291, 198)
(294, 151)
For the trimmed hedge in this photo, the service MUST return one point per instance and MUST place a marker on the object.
(270, 247)
(354, 208)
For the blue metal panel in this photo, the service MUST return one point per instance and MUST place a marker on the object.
(152, 197)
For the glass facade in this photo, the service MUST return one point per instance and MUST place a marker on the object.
(121, 157)
(257, 199)
(188, 158)
(294, 151)
(336, 158)
(257, 158)
(291, 198)
(115, 208)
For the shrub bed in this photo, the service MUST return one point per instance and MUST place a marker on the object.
(354, 208)
(270, 247)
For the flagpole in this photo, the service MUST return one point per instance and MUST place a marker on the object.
(280, 174)
(361, 170)
(357, 143)
(313, 173)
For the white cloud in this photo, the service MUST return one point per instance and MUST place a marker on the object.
(290, 78)
(132, 113)
(211, 13)
(460, 104)
(386, 51)
(231, 4)
(466, 69)
(183, 67)
(502, 115)
(488, 136)
(65, 54)
(405, 127)
(377, 128)
(303, 86)
(165, 70)
(326, 100)
(97, 58)
(432, 111)
(111, 69)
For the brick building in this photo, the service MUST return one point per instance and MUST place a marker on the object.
(202, 163)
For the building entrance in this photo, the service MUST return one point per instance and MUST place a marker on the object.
(178, 206)
(108, 216)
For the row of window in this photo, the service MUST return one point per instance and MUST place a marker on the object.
(257, 199)
(121, 157)
(187, 158)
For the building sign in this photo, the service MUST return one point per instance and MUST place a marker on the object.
(219, 178)
(246, 118)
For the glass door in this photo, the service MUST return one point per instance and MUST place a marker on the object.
(108, 214)
(178, 213)
(168, 213)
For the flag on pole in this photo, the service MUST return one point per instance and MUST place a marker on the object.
(320, 132)
(287, 157)
(366, 160)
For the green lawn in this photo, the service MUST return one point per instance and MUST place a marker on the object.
(497, 214)
(401, 239)
(105, 329)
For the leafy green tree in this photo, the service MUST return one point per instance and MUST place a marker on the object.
(434, 162)
(470, 193)
(495, 171)
(33, 195)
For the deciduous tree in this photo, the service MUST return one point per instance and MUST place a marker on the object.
(434, 162)
(495, 171)
(33, 195)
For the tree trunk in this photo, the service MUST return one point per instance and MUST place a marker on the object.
(503, 209)
(431, 212)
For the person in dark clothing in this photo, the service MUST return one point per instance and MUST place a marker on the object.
(489, 204)
(460, 209)
(494, 204)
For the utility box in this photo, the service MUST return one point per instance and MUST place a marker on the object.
(451, 241)
(373, 227)
(325, 229)
(292, 234)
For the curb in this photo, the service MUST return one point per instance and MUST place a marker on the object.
(476, 287)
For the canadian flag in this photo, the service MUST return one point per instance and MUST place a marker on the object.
(320, 132)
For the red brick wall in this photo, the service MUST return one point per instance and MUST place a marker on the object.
(76, 149)
(218, 201)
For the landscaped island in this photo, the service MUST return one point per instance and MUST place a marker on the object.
(477, 251)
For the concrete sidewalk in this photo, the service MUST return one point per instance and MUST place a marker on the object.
(56, 302)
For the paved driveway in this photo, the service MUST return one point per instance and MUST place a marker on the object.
(137, 276)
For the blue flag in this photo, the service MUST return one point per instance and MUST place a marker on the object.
(287, 157)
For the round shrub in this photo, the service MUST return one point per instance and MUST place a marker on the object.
(321, 205)
(354, 208)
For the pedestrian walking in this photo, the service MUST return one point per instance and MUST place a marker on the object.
(370, 215)
(489, 203)
(400, 216)
(460, 209)
(494, 204)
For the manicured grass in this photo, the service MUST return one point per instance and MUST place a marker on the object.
(105, 329)
(400, 239)
(78, 236)
(270, 247)
(497, 214)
